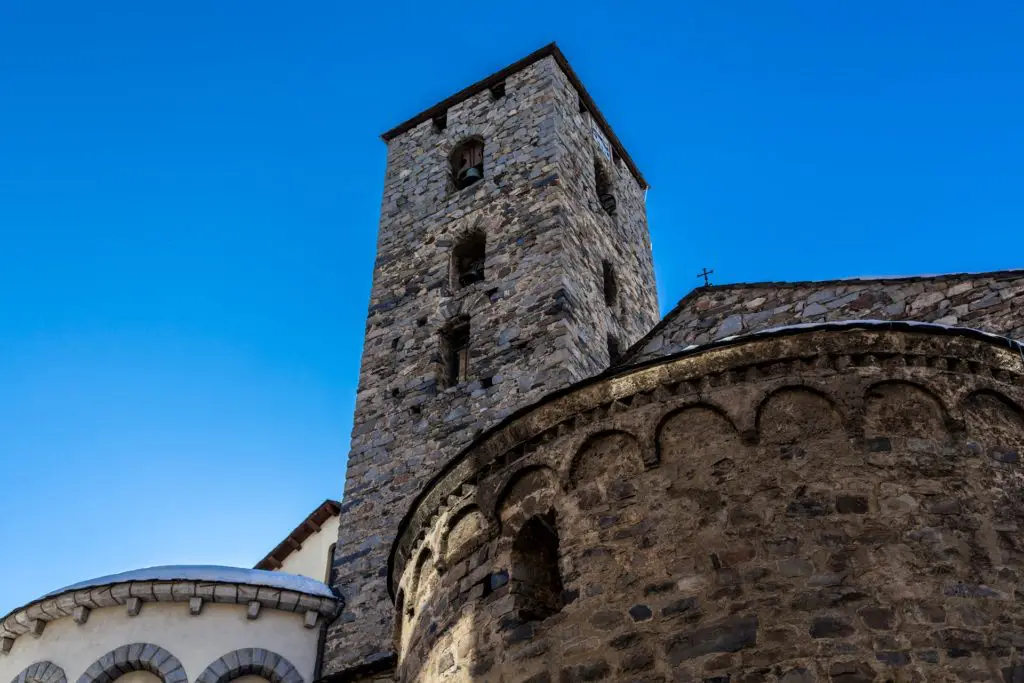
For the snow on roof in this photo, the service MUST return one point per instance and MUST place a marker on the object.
(867, 324)
(211, 574)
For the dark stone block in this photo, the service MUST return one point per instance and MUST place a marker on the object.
(481, 666)
(606, 620)
(851, 672)
(878, 618)
(542, 677)
(640, 612)
(944, 506)
(624, 641)
(929, 656)
(681, 606)
(718, 679)
(638, 660)
(831, 627)
(798, 675)
(729, 635)
(1014, 674)
(893, 658)
(879, 444)
(655, 588)
(594, 671)
(961, 639)
(497, 580)
(852, 505)
(969, 590)
(520, 633)
(1006, 456)
(808, 506)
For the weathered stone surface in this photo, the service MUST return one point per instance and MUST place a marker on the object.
(540, 319)
(851, 584)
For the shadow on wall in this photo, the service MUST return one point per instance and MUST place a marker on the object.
(844, 527)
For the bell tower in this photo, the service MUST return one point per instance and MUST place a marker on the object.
(513, 259)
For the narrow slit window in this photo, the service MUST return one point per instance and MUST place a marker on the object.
(467, 163)
(498, 90)
(614, 351)
(455, 353)
(535, 578)
(467, 265)
(440, 122)
(611, 285)
(604, 189)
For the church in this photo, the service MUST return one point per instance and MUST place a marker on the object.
(787, 482)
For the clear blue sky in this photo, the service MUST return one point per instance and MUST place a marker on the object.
(189, 195)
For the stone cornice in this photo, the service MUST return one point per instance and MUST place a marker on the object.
(785, 351)
(134, 595)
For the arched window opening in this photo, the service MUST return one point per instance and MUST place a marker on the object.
(467, 162)
(468, 260)
(614, 352)
(536, 581)
(611, 285)
(330, 564)
(604, 188)
(455, 352)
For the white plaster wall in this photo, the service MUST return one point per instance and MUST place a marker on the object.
(195, 640)
(311, 559)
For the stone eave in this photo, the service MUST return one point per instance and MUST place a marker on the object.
(134, 594)
(528, 425)
(306, 528)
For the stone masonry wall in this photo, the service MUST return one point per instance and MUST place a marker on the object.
(535, 319)
(993, 302)
(835, 506)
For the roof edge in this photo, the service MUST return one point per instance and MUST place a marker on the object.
(293, 541)
(617, 371)
(630, 353)
(549, 50)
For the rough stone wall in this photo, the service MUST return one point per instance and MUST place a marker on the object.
(993, 302)
(835, 506)
(534, 319)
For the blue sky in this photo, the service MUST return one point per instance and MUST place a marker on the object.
(189, 196)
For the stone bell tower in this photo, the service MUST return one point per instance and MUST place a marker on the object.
(513, 259)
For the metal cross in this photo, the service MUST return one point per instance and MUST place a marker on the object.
(704, 274)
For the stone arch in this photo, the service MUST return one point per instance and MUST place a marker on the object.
(135, 657)
(995, 422)
(530, 490)
(791, 414)
(611, 453)
(465, 532)
(41, 672)
(904, 409)
(697, 428)
(422, 574)
(251, 661)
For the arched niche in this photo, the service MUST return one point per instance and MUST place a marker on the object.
(796, 414)
(697, 432)
(265, 664)
(606, 456)
(903, 409)
(996, 423)
(464, 533)
(529, 491)
(535, 578)
(135, 657)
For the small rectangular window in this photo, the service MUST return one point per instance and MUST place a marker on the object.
(455, 353)
(440, 122)
(498, 90)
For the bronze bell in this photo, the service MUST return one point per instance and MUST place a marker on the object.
(470, 175)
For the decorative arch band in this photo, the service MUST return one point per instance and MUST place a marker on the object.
(135, 657)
